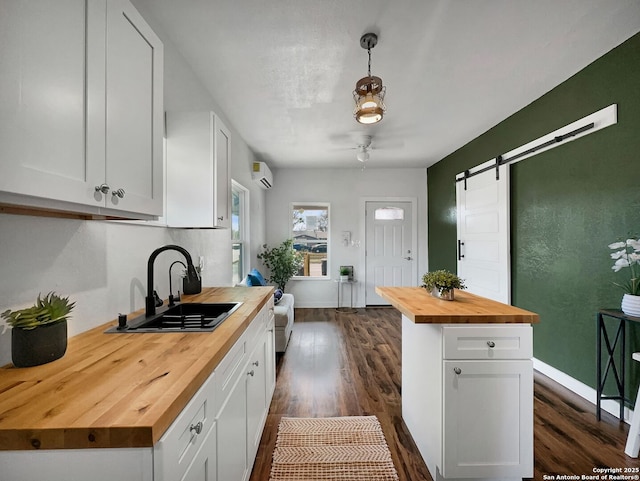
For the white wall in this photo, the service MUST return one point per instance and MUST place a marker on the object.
(102, 265)
(343, 189)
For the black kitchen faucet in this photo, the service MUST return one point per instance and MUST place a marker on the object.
(192, 275)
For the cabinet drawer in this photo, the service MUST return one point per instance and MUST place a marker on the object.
(178, 446)
(488, 342)
(228, 370)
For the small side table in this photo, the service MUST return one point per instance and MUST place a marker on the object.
(617, 368)
(340, 307)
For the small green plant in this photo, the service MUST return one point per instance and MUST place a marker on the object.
(344, 271)
(49, 309)
(442, 280)
(283, 262)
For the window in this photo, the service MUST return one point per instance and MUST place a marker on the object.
(389, 213)
(310, 234)
(239, 230)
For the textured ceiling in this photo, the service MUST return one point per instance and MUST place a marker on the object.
(283, 71)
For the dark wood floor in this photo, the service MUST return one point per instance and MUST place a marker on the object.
(340, 364)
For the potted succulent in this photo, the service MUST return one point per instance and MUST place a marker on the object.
(283, 262)
(39, 332)
(441, 284)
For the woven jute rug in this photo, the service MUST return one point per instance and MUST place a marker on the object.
(348, 448)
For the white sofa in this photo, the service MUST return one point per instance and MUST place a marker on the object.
(283, 321)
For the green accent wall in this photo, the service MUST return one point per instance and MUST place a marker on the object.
(567, 205)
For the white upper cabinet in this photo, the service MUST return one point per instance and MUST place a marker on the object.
(198, 170)
(73, 117)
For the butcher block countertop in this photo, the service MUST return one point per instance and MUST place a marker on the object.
(422, 308)
(118, 390)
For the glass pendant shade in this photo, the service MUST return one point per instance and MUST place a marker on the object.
(369, 96)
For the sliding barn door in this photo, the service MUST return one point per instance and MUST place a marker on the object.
(484, 252)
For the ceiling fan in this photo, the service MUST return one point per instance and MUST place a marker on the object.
(363, 149)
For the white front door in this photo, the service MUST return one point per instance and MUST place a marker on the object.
(483, 233)
(390, 258)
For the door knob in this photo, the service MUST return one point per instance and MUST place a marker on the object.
(457, 370)
(118, 193)
(409, 258)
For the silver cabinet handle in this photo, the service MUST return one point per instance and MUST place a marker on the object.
(196, 429)
(457, 370)
(251, 373)
(256, 364)
(491, 344)
(409, 258)
(221, 218)
(118, 193)
(104, 188)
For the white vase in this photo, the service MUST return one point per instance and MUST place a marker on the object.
(631, 305)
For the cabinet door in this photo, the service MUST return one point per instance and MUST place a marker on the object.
(50, 55)
(256, 398)
(203, 467)
(134, 121)
(232, 434)
(270, 355)
(488, 419)
(222, 208)
(190, 176)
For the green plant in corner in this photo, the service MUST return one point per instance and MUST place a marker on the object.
(442, 280)
(50, 309)
(282, 261)
(344, 271)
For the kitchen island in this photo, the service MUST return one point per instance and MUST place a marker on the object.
(467, 383)
(114, 399)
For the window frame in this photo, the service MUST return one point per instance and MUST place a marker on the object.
(319, 205)
(243, 230)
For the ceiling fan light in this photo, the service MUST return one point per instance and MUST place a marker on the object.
(362, 156)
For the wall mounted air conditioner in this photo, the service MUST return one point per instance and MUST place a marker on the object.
(262, 175)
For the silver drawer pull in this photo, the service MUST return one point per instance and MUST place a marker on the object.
(251, 373)
(491, 344)
(104, 188)
(118, 193)
(197, 429)
(256, 363)
(457, 370)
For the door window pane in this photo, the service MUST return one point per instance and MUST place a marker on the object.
(389, 213)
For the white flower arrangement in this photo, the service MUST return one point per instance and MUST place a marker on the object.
(627, 255)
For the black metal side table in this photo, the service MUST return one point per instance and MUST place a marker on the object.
(617, 369)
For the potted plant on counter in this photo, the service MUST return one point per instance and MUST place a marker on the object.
(39, 332)
(441, 284)
(283, 262)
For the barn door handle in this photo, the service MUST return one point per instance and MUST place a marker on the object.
(460, 254)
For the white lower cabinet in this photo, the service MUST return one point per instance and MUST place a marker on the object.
(488, 419)
(243, 414)
(232, 435)
(467, 398)
(185, 447)
(214, 438)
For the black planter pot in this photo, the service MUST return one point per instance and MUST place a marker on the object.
(32, 347)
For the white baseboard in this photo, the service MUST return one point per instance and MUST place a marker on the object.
(580, 389)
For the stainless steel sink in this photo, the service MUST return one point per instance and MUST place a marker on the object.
(187, 317)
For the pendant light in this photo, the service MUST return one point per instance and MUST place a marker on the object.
(369, 92)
